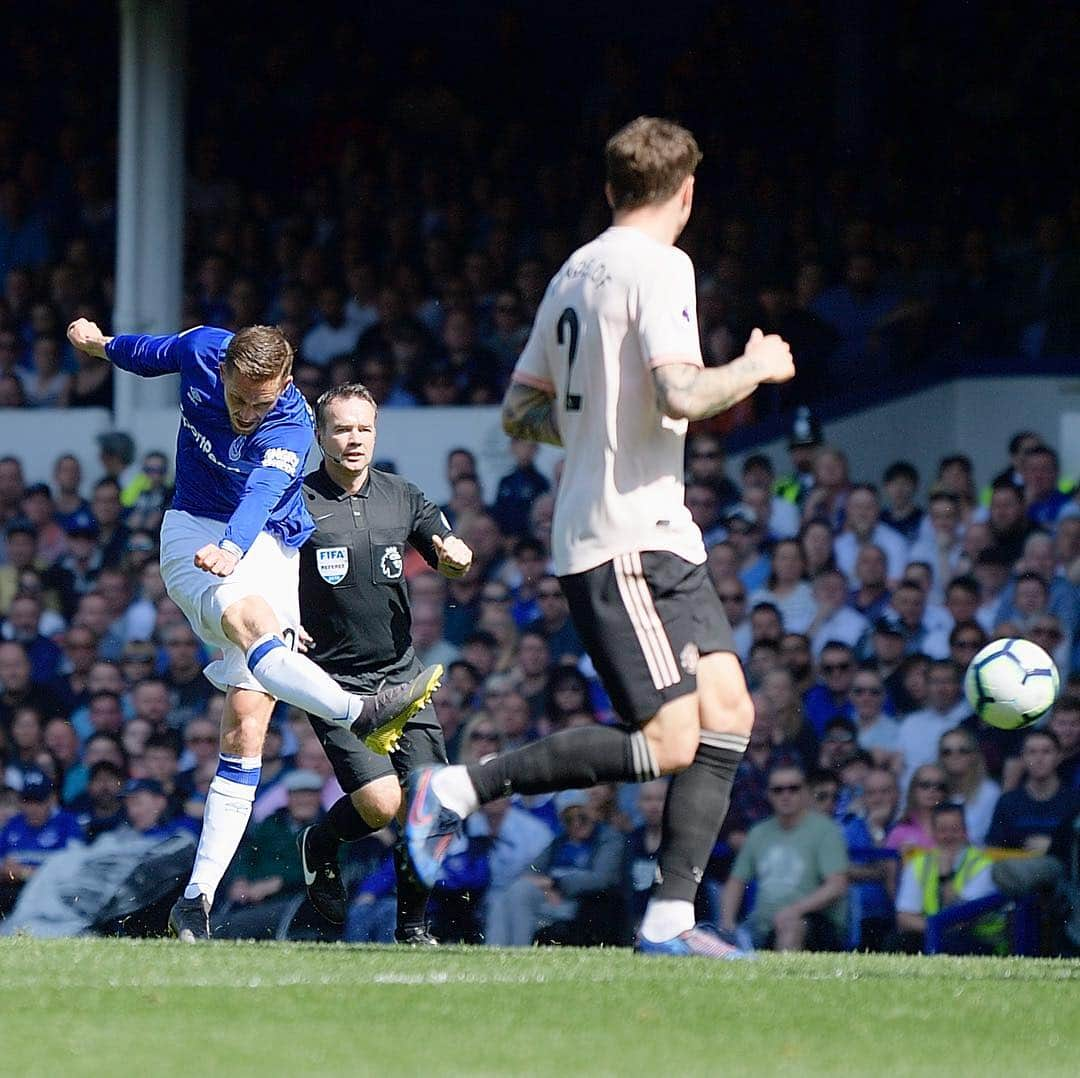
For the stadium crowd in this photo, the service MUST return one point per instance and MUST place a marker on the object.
(856, 607)
(406, 244)
(412, 234)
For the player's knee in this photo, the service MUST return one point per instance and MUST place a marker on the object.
(245, 620)
(723, 699)
(378, 802)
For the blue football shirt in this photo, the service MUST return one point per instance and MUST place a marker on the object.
(249, 482)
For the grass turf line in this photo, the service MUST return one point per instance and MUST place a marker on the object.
(83, 1007)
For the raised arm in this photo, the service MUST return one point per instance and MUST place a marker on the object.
(527, 413)
(138, 353)
(686, 391)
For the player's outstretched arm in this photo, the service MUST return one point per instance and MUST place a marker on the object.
(141, 354)
(686, 391)
(528, 413)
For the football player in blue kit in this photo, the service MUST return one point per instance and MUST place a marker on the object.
(230, 549)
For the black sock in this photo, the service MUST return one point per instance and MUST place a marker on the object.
(697, 802)
(341, 824)
(569, 760)
(412, 896)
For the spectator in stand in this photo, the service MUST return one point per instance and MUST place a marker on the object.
(816, 540)
(267, 875)
(942, 548)
(427, 635)
(554, 622)
(1040, 474)
(910, 608)
(1009, 525)
(827, 501)
(799, 861)
(705, 464)
(952, 870)
(803, 444)
(46, 384)
(12, 489)
(783, 516)
(113, 534)
(914, 829)
(189, 691)
(1065, 725)
(23, 625)
(332, 335)
(870, 597)
(835, 620)
(797, 661)
(1025, 818)
(148, 495)
(518, 490)
(921, 730)
(40, 829)
(793, 736)
(901, 512)
(572, 892)
(862, 524)
(100, 808)
(1062, 597)
(831, 695)
(965, 772)
(876, 732)
(38, 509)
(530, 565)
(966, 640)
(787, 588)
(67, 477)
(18, 690)
(746, 538)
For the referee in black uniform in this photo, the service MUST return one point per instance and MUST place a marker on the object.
(354, 607)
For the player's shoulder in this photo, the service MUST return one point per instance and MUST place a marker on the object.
(208, 342)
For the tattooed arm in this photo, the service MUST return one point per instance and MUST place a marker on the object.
(528, 413)
(685, 391)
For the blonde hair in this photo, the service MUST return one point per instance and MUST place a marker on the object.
(648, 160)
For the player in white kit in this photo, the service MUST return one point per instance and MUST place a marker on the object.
(613, 372)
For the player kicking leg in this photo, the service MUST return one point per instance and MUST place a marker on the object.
(635, 616)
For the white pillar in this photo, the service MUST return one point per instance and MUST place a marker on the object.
(150, 181)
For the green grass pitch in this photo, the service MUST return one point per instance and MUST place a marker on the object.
(97, 1007)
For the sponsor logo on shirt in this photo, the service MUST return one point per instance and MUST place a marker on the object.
(332, 563)
(203, 443)
(283, 459)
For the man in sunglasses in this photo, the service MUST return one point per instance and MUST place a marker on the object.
(799, 859)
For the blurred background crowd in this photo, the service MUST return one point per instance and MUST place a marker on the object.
(396, 202)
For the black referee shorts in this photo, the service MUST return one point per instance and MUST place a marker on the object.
(645, 618)
(354, 764)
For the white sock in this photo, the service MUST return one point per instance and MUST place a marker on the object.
(455, 790)
(225, 818)
(294, 678)
(666, 918)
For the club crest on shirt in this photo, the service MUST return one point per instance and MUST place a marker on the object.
(391, 563)
(236, 449)
(332, 563)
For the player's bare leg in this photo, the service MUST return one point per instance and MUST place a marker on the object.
(252, 625)
(698, 797)
(228, 808)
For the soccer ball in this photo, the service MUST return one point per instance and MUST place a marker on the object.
(1011, 683)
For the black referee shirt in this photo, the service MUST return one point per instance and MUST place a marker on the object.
(353, 597)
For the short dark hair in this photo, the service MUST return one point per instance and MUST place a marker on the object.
(1018, 439)
(947, 808)
(1041, 732)
(343, 392)
(648, 160)
(901, 469)
(1003, 482)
